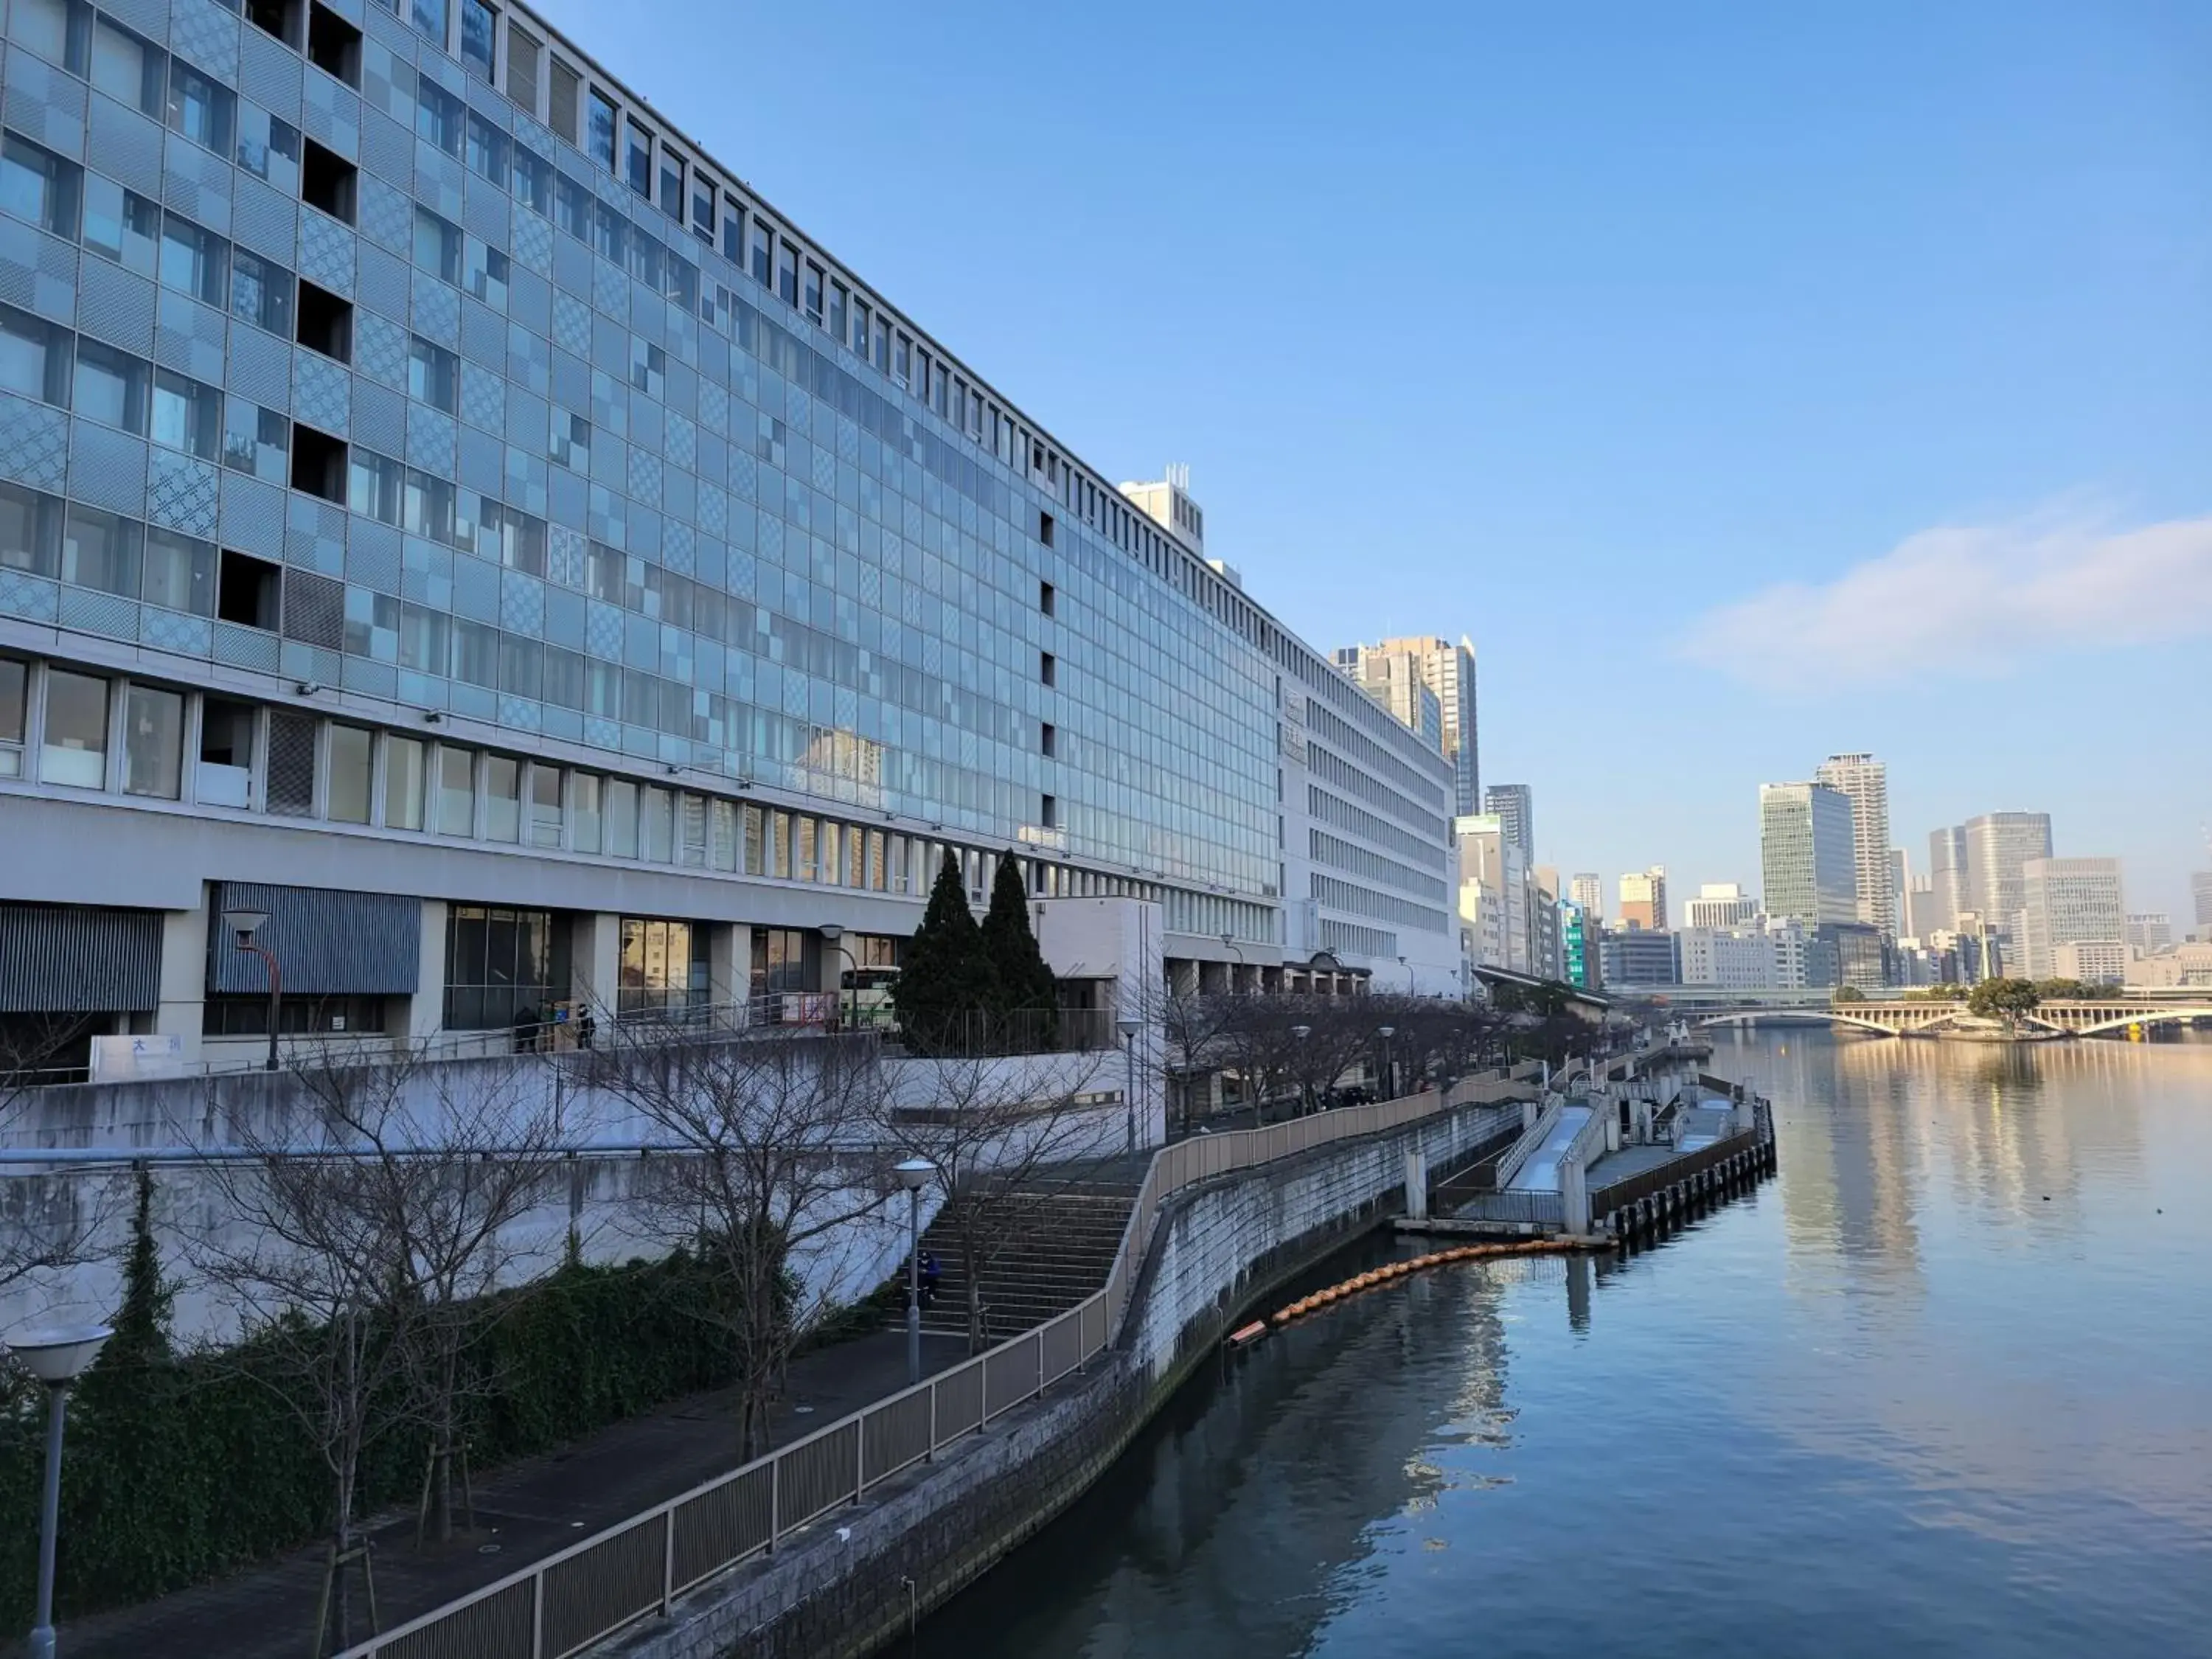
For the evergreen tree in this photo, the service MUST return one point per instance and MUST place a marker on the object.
(1027, 996)
(945, 983)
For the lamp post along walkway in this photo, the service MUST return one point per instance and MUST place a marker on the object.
(914, 1174)
(57, 1359)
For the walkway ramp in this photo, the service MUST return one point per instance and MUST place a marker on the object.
(1540, 1173)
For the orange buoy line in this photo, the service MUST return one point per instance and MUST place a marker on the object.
(1395, 1270)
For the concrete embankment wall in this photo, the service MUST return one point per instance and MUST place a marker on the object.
(857, 1579)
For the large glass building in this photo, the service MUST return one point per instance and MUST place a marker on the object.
(442, 507)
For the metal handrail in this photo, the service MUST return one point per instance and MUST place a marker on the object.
(1548, 1117)
(751, 1509)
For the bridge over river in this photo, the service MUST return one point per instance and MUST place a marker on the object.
(2092, 1016)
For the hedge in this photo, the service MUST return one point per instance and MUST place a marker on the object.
(180, 1469)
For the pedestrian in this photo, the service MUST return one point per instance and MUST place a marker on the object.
(525, 1028)
(929, 1275)
(585, 1030)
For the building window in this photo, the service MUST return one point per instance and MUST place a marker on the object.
(334, 45)
(658, 832)
(433, 375)
(784, 959)
(296, 1015)
(126, 68)
(75, 752)
(351, 758)
(763, 251)
(187, 416)
(502, 786)
(153, 739)
(14, 704)
(812, 294)
(111, 387)
(34, 356)
(328, 182)
(37, 185)
(457, 796)
(664, 967)
(544, 807)
(723, 850)
(1047, 669)
(672, 184)
(225, 775)
(584, 811)
(786, 273)
(501, 965)
(102, 550)
(479, 31)
(1048, 736)
(438, 116)
(180, 572)
(429, 16)
(199, 108)
(325, 322)
(639, 172)
(622, 818)
(755, 841)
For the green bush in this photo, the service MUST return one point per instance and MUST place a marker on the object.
(181, 1468)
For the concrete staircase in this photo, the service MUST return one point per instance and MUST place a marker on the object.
(1056, 1244)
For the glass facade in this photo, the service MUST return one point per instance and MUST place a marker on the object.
(421, 368)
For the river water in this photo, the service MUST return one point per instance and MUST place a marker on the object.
(1944, 1386)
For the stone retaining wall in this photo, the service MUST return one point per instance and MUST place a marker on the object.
(854, 1581)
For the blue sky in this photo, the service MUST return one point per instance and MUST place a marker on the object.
(1749, 382)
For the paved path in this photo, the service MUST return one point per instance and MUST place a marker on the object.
(524, 1511)
(1540, 1173)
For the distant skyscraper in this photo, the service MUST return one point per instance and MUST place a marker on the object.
(1720, 905)
(1643, 899)
(1587, 889)
(1923, 913)
(1448, 670)
(2149, 933)
(1516, 807)
(1947, 872)
(1998, 847)
(2200, 893)
(2069, 901)
(1864, 782)
(1807, 857)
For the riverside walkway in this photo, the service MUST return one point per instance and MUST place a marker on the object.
(525, 1511)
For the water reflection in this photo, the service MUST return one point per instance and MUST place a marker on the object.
(1941, 1388)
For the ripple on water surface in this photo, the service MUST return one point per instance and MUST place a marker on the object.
(1943, 1387)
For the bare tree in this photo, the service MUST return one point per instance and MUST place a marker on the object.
(303, 1244)
(480, 1157)
(777, 1162)
(358, 1237)
(1005, 1138)
(1256, 1037)
(1195, 1023)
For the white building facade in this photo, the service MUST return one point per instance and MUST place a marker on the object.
(2069, 901)
(504, 548)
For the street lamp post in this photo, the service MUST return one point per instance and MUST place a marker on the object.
(914, 1174)
(1128, 1028)
(1228, 942)
(57, 1359)
(1386, 1032)
(1305, 1083)
(834, 934)
(244, 925)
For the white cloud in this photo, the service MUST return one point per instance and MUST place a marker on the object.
(1972, 601)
